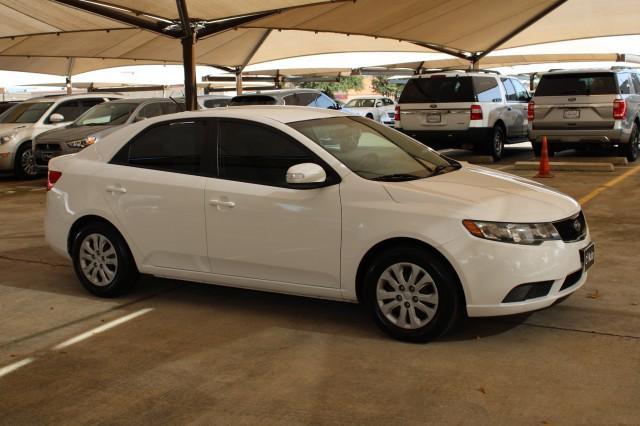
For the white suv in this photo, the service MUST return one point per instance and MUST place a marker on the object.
(24, 121)
(457, 109)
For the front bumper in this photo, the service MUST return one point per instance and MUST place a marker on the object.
(457, 138)
(490, 270)
(43, 153)
(6, 160)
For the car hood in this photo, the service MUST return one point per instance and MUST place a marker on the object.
(8, 127)
(484, 194)
(67, 134)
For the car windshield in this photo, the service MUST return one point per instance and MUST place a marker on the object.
(106, 114)
(372, 150)
(25, 112)
(361, 103)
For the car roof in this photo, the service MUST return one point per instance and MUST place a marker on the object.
(587, 71)
(58, 98)
(282, 92)
(280, 113)
(459, 74)
(139, 100)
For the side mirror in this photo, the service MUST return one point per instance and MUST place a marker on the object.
(378, 104)
(306, 173)
(56, 118)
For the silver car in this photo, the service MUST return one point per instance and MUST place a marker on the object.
(95, 124)
(582, 108)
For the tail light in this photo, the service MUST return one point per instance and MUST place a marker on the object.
(476, 112)
(396, 116)
(619, 109)
(53, 177)
(531, 112)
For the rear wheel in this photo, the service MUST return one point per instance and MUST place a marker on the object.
(495, 145)
(411, 294)
(25, 166)
(631, 149)
(102, 260)
(537, 149)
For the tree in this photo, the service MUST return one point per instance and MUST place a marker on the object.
(344, 85)
(382, 86)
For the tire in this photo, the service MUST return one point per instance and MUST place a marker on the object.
(25, 166)
(104, 246)
(388, 298)
(631, 149)
(495, 145)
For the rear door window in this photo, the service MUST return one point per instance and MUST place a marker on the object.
(438, 89)
(577, 84)
(636, 82)
(510, 90)
(624, 83)
(487, 89)
(172, 147)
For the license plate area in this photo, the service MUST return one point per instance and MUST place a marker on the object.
(571, 114)
(588, 256)
(433, 118)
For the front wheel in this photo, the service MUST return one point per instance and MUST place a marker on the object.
(411, 294)
(25, 166)
(102, 261)
(631, 149)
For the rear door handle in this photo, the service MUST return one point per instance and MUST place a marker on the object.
(222, 203)
(116, 189)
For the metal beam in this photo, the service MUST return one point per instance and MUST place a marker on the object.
(210, 28)
(188, 57)
(479, 55)
(117, 15)
(442, 49)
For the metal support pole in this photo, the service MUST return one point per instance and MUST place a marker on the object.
(189, 63)
(239, 82)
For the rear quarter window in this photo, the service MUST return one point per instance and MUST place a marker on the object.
(577, 84)
(438, 89)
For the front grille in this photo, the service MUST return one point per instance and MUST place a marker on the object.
(48, 147)
(572, 229)
(571, 280)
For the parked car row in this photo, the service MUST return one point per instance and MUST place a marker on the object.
(484, 111)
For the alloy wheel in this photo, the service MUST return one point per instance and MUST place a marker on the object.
(407, 296)
(27, 163)
(98, 260)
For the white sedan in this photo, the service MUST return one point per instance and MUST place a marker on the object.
(378, 108)
(316, 203)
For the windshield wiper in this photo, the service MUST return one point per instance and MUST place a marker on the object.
(442, 167)
(396, 177)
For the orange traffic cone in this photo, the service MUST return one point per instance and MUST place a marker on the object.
(545, 169)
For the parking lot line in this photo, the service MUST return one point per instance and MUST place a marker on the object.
(13, 367)
(610, 184)
(101, 328)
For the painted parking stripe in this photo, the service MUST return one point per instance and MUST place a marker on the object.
(102, 328)
(13, 367)
(610, 184)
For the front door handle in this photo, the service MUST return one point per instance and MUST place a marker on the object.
(116, 189)
(222, 203)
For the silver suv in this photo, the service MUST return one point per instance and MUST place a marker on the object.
(458, 109)
(579, 108)
(26, 120)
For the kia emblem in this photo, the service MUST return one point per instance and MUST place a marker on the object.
(433, 106)
(572, 99)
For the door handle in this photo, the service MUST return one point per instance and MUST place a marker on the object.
(222, 203)
(116, 189)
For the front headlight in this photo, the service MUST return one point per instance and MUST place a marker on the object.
(8, 138)
(82, 143)
(515, 233)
